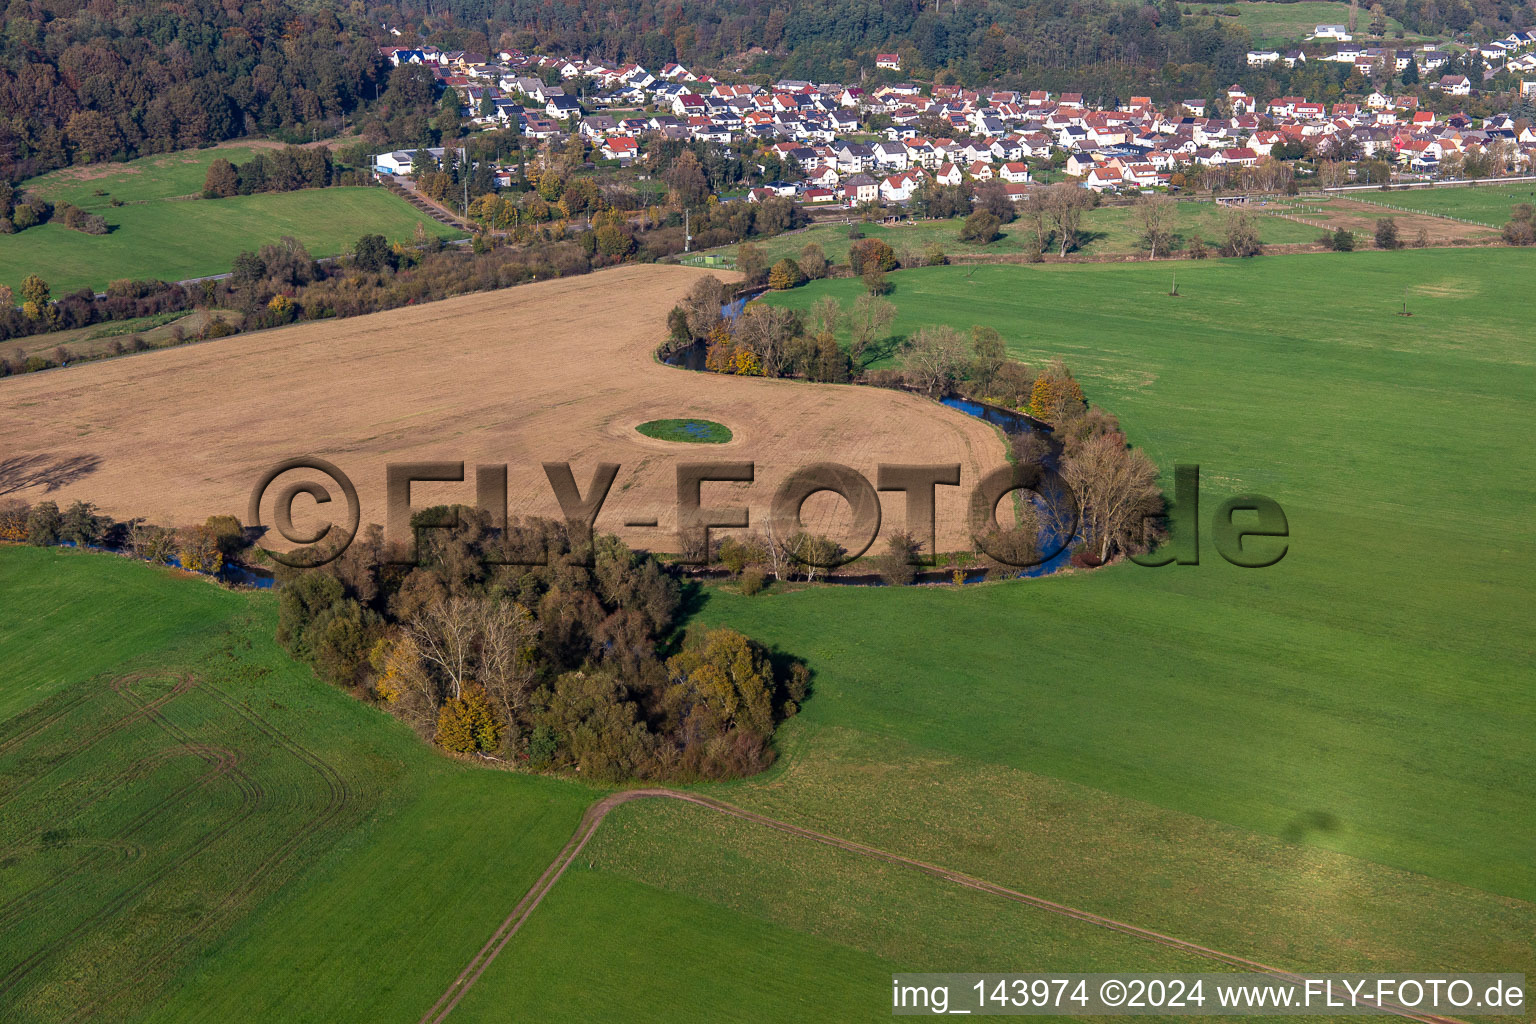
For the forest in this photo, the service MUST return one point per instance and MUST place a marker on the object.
(1101, 48)
(104, 81)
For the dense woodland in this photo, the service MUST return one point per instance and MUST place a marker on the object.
(1100, 47)
(116, 80)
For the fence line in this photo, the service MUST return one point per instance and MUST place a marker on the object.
(1423, 213)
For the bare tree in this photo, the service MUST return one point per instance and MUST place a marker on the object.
(1065, 203)
(702, 304)
(872, 316)
(444, 632)
(1116, 489)
(1157, 213)
(934, 359)
(1039, 217)
(826, 315)
(508, 645)
(767, 331)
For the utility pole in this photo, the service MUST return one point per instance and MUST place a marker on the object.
(687, 234)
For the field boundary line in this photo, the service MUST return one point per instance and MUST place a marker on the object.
(597, 812)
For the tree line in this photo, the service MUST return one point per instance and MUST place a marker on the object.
(1113, 485)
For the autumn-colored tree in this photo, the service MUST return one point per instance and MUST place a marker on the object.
(867, 252)
(221, 181)
(34, 297)
(198, 550)
(718, 682)
(720, 349)
(1056, 396)
(13, 519)
(467, 724)
(786, 274)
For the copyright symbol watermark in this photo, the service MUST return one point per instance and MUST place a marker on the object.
(313, 553)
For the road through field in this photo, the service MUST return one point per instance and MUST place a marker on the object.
(552, 371)
(593, 819)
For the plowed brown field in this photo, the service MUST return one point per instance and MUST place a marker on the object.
(552, 371)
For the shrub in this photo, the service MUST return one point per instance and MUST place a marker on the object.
(1341, 241)
(752, 582)
(1518, 232)
(898, 564)
(980, 228)
(43, 524)
(871, 252)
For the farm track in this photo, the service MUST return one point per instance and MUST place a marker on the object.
(600, 810)
(221, 762)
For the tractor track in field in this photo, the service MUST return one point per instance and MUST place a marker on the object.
(221, 764)
(597, 812)
(120, 684)
(339, 795)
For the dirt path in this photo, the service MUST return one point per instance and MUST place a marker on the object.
(595, 814)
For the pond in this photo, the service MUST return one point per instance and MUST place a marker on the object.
(686, 431)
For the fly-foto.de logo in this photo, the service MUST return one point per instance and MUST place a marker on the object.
(1247, 530)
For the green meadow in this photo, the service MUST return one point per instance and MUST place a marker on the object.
(163, 230)
(1107, 230)
(1485, 204)
(261, 847)
(1287, 24)
(1325, 765)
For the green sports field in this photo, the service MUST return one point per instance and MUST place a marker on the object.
(163, 231)
(1486, 204)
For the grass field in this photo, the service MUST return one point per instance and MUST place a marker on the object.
(1325, 764)
(1343, 412)
(163, 230)
(1106, 230)
(194, 829)
(1277, 24)
(1486, 204)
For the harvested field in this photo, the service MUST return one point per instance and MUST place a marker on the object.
(552, 371)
